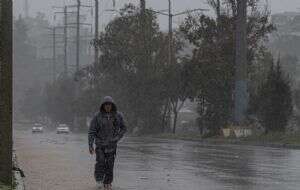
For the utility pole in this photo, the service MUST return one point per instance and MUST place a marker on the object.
(54, 37)
(241, 97)
(170, 33)
(77, 41)
(54, 54)
(77, 27)
(170, 15)
(143, 24)
(65, 35)
(65, 41)
(6, 20)
(143, 6)
(78, 35)
(143, 20)
(26, 8)
(96, 32)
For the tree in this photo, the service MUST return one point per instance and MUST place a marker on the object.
(178, 81)
(129, 72)
(60, 100)
(241, 75)
(33, 103)
(214, 54)
(275, 100)
(24, 58)
(23, 51)
(214, 80)
(290, 65)
(6, 92)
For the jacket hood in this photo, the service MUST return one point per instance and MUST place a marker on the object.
(108, 99)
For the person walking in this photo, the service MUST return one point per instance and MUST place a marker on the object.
(106, 129)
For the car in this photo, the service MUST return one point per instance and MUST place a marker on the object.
(38, 128)
(63, 128)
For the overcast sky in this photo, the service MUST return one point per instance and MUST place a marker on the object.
(178, 6)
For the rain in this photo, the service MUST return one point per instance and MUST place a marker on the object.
(149, 94)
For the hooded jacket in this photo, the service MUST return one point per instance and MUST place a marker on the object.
(106, 129)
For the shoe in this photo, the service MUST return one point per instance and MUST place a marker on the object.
(107, 187)
(99, 184)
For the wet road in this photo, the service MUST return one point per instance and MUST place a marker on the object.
(62, 162)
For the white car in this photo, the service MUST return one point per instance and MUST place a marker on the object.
(63, 128)
(37, 128)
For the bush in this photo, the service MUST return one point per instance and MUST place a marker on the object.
(274, 100)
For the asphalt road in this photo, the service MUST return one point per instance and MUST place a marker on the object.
(62, 162)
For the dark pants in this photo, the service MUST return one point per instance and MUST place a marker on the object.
(105, 159)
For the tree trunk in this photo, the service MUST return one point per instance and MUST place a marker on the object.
(241, 97)
(164, 117)
(176, 109)
(6, 91)
(175, 121)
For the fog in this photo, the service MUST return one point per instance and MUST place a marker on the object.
(44, 6)
(213, 103)
(41, 60)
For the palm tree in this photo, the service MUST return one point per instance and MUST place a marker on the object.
(6, 91)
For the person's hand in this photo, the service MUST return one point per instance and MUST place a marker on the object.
(91, 150)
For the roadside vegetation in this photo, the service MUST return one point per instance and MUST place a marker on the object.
(4, 187)
(280, 138)
(135, 71)
(277, 139)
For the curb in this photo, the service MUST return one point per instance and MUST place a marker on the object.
(18, 174)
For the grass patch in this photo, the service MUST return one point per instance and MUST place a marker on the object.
(4, 187)
(276, 138)
(293, 139)
(279, 139)
(7, 187)
(193, 137)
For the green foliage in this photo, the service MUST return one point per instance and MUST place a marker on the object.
(297, 97)
(24, 52)
(274, 100)
(5, 187)
(290, 65)
(178, 85)
(214, 55)
(28, 69)
(214, 72)
(259, 70)
(131, 67)
(32, 105)
(60, 99)
(134, 69)
(276, 138)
